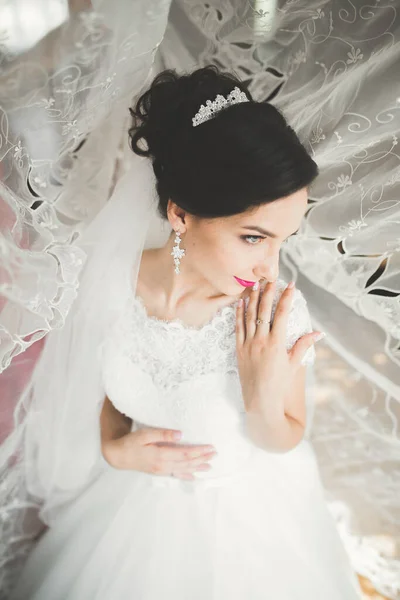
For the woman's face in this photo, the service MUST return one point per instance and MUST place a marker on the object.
(218, 250)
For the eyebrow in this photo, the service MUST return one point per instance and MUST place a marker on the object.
(264, 231)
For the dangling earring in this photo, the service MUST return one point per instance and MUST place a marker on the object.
(177, 252)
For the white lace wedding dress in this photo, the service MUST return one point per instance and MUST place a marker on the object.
(255, 526)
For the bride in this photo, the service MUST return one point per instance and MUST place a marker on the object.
(167, 438)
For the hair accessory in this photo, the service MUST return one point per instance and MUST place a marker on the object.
(177, 252)
(207, 112)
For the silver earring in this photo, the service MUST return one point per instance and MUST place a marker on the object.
(177, 252)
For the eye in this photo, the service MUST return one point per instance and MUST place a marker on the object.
(252, 237)
(260, 237)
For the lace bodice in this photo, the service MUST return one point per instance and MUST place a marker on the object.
(171, 352)
(167, 374)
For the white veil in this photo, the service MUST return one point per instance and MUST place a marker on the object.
(54, 450)
(332, 66)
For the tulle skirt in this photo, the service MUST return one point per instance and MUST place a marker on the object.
(264, 532)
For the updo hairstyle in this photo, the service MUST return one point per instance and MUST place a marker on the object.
(246, 155)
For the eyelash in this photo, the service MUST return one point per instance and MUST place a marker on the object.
(255, 237)
(259, 237)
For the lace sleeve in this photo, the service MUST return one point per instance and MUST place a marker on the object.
(299, 323)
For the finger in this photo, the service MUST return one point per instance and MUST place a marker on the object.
(151, 435)
(178, 454)
(203, 468)
(240, 323)
(281, 316)
(191, 470)
(186, 476)
(300, 348)
(186, 466)
(265, 309)
(251, 313)
(201, 460)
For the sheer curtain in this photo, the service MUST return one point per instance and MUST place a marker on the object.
(64, 100)
(332, 67)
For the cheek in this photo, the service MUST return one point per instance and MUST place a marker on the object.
(205, 253)
(219, 255)
(227, 259)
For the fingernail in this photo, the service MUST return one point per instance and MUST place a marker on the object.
(177, 435)
(319, 336)
(291, 285)
(256, 286)
(240, 302)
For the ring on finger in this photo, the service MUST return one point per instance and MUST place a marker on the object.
(266, 309)
(260, 321)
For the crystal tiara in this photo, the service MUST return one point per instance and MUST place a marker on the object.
(207, 112)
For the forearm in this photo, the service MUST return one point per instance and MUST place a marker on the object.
(274, 434)
(113, 424)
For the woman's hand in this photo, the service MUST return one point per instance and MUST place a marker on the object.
(265, 367)
(156, 451)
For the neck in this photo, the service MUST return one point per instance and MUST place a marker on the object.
(187, 285)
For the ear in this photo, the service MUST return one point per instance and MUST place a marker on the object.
(176, 216)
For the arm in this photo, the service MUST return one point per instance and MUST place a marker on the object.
(150, 449)
(282, 429)
(113, 425)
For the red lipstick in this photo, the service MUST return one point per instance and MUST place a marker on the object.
(243, 282)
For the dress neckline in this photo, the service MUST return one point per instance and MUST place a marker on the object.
(177, 323)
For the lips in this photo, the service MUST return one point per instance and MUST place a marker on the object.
(244, 283)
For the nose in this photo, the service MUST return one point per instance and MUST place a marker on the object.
(269, 270)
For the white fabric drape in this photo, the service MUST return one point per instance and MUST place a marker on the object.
(332, 67)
